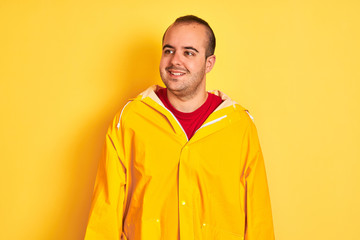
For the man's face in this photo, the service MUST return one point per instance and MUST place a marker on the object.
(183, 64)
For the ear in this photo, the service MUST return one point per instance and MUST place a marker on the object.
(210, 62)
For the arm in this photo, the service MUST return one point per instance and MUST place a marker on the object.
(106, 214)
(259, 223)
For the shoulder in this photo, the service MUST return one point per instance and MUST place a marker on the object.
(133, 107)
(127, 110)
(228, 102)
(243, 113)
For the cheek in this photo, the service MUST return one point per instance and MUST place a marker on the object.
(163, 63)
(196, 66)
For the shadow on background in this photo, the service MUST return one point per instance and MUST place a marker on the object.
(141, 58)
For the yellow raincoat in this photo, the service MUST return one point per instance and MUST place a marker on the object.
(153, 183)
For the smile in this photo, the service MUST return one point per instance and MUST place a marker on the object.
(176, 73)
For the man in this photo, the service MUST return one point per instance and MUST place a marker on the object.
(181, 162)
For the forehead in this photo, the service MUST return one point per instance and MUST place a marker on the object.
(186, 34)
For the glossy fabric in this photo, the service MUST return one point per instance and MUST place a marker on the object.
(152, 183)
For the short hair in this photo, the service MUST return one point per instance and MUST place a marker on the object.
(194, 19)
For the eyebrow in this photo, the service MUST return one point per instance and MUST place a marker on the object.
(169, 46)
(191, 48)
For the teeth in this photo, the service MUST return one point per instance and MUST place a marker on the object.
(177, 74)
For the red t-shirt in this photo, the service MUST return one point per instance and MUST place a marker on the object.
(191, 121)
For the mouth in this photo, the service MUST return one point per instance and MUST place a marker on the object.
(176, 72)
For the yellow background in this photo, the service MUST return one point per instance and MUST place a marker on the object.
(66, 67)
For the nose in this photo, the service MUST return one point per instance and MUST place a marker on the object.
(176, 59)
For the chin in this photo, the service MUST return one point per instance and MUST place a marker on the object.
(171, 83)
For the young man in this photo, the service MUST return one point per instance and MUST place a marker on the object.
(181, 162)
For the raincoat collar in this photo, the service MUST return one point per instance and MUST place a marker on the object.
(222, 116)
(151, 93)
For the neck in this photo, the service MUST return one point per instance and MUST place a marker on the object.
(187, 104)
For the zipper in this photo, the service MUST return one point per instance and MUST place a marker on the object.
(212, 122)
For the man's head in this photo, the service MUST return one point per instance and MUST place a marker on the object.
(186, 57)
(210, 50)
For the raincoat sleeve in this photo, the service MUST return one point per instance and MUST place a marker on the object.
(106, 214)
(259, 223)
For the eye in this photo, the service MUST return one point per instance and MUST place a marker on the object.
(168, 51)
(188, 53)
